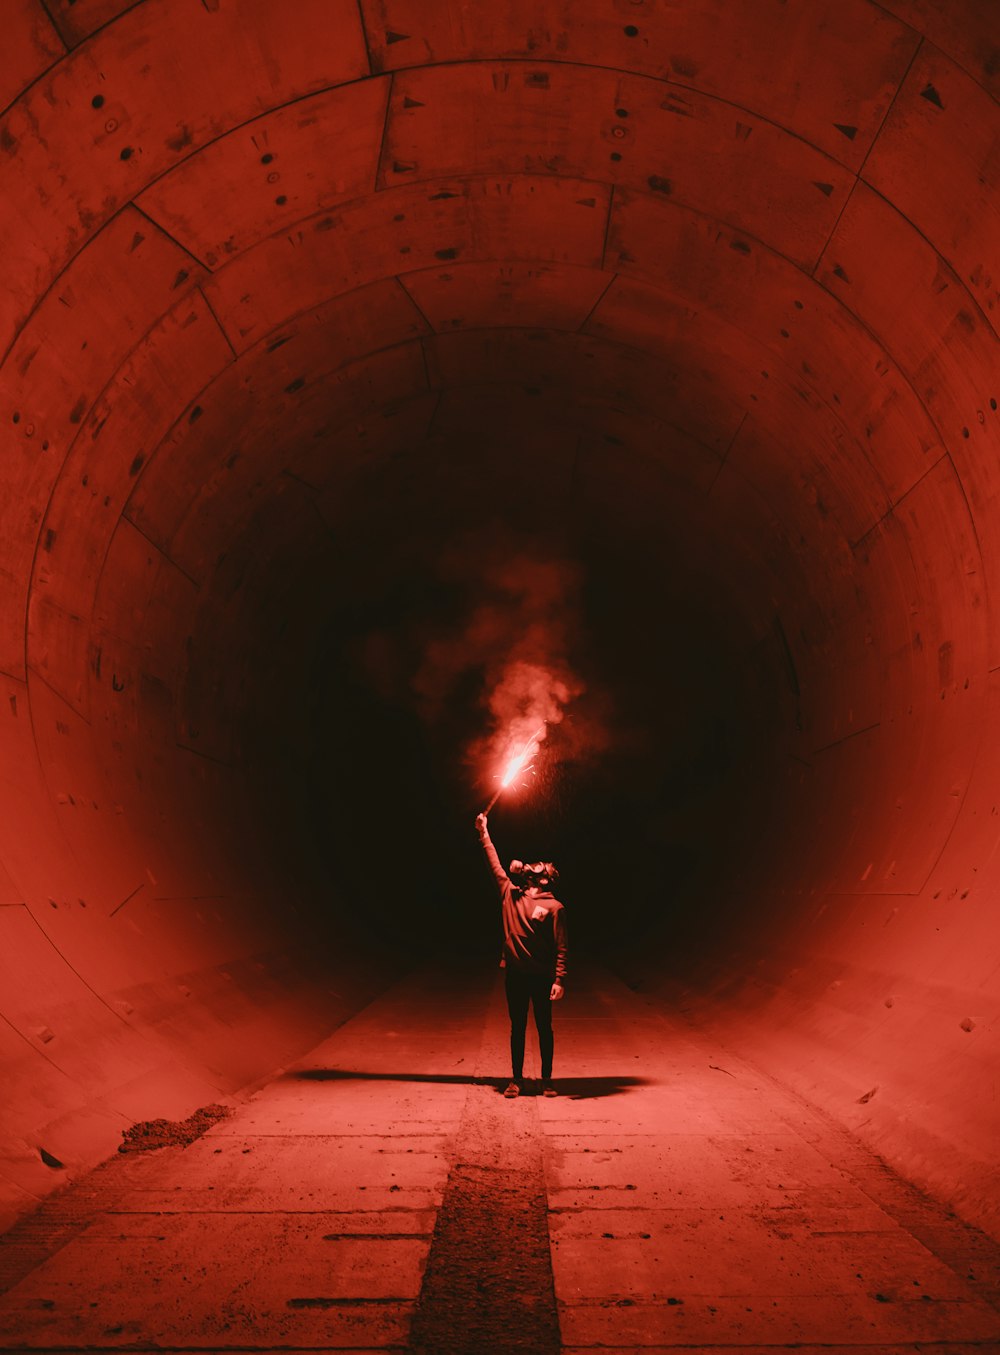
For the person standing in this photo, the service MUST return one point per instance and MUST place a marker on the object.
(534, 954)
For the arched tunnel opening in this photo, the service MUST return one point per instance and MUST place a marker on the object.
(356, 351)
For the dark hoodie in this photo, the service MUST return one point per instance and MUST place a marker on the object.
(532, 945)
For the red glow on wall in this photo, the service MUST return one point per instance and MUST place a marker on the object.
(689, 320)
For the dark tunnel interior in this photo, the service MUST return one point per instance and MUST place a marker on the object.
(669, 738)
(352, 352)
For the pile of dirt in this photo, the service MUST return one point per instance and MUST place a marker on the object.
(149, 1134)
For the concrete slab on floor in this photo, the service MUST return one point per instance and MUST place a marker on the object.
(712, 1209)
(304, 1220)
(692, 1204)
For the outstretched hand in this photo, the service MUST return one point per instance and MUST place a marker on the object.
(481, 824)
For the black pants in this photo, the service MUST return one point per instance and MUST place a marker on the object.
(522, 989)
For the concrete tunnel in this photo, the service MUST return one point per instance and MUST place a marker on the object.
(316, 316)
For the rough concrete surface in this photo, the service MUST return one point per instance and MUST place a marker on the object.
(382, 1195)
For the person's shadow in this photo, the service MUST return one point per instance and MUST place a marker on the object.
(576, 1088)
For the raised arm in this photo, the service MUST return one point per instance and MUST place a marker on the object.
(499, 874)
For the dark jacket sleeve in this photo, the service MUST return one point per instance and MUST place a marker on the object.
(499, 874)
(562, 946)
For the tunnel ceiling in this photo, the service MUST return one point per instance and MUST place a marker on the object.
(724, 274)
(302, 286)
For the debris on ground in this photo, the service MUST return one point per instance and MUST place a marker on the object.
(149, 1134)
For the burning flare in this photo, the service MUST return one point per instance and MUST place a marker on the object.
(517, 764)
(528, 698)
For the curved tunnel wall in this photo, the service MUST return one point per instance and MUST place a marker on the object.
(284, 285)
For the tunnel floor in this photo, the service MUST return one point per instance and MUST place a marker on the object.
(382, 1195)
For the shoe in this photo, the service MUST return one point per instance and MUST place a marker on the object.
(548, 1089)
(512, 1089)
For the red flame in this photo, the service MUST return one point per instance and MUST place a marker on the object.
(527, 699)
(518, 762)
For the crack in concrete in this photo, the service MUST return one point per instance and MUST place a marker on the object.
(488, 1284)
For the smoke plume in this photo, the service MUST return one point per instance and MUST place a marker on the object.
(516, 647)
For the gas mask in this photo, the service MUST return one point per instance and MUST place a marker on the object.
(526, 874)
